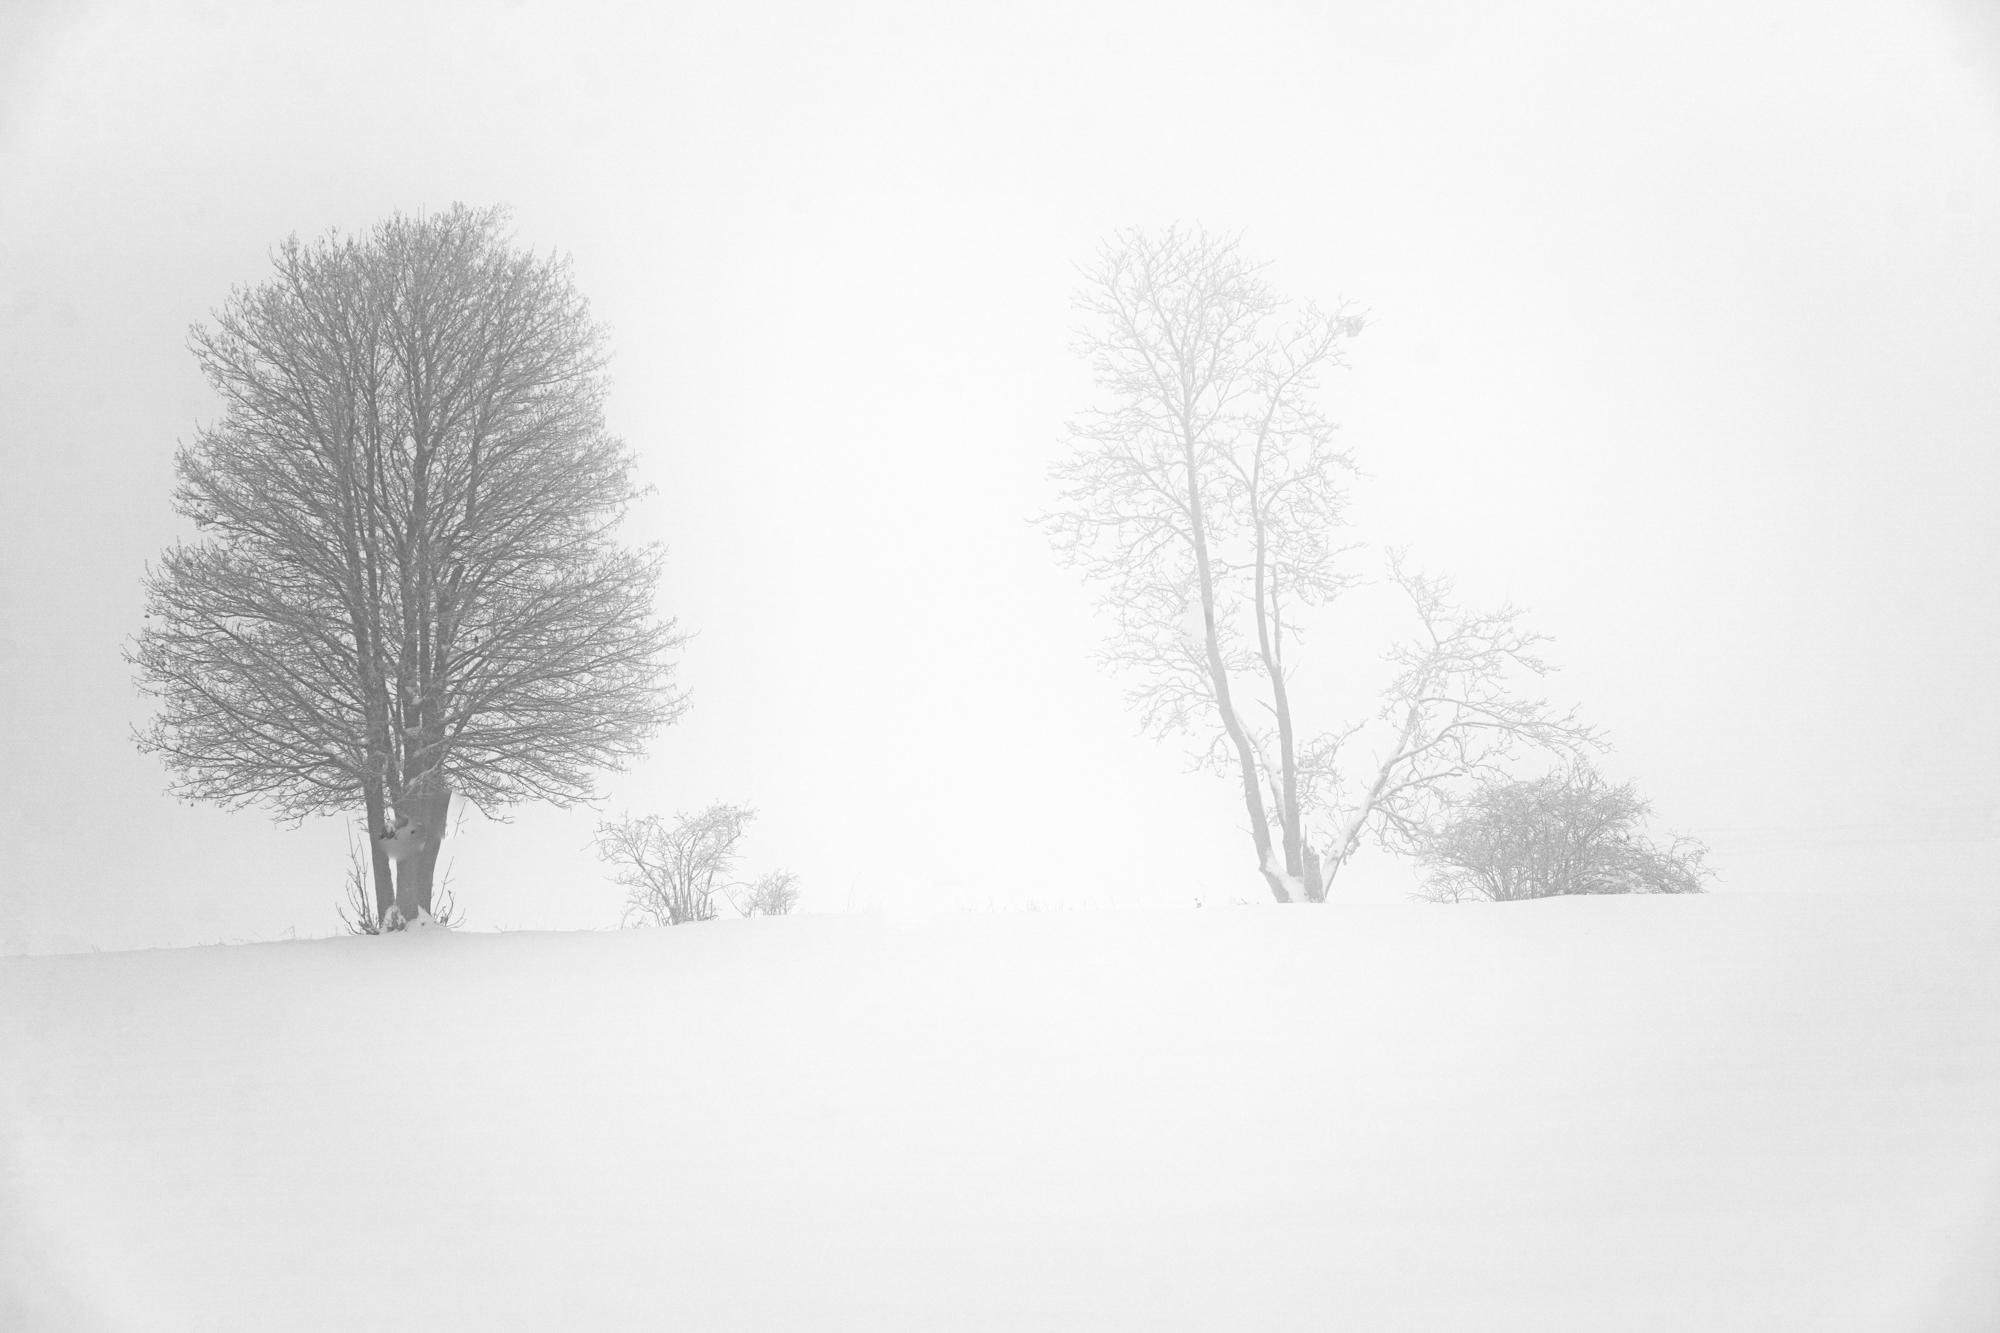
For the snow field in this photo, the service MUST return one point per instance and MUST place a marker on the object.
(1710, 1113)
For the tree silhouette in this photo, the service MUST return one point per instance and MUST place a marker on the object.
(406, 583)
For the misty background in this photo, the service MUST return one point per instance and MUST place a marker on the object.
(1684, 332)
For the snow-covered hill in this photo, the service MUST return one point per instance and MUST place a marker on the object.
(1667, 1114)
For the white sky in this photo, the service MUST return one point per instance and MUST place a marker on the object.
(1686, 337)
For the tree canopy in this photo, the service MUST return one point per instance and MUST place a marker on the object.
(406, 582)
(1208, 502)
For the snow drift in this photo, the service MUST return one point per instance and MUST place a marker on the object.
(1710, 1113)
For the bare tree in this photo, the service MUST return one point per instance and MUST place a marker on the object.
(675, 872)
(1568, 832)
(1451, 717)
(1208, 504)
(406, 584)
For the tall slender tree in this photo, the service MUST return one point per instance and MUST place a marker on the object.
(406, 583)
(1208, 503)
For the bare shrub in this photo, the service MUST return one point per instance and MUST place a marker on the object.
(774, 895)
(675, 872)
(1568, 832)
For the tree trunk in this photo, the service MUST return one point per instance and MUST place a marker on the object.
(1297, 885)
(1253, 800)
(436, 812)
(385, 889)
(1315, 879)
(414, 875)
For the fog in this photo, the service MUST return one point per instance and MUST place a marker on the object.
(1683, 335)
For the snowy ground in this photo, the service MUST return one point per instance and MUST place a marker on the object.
(1618, 1114)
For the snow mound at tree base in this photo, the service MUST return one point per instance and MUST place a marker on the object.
(1713, 1113)
(423, 920)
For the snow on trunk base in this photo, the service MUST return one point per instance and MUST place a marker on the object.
(395, 922)
(1651, 1113)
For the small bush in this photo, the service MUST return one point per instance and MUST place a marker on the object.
(774, 895)
(674, 873)
(1569, 832)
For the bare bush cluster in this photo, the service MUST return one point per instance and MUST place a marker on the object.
(776, 894)
(676, 872)
(1568, 832)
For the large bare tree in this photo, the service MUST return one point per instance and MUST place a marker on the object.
(406, 582)
(1207, 501)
